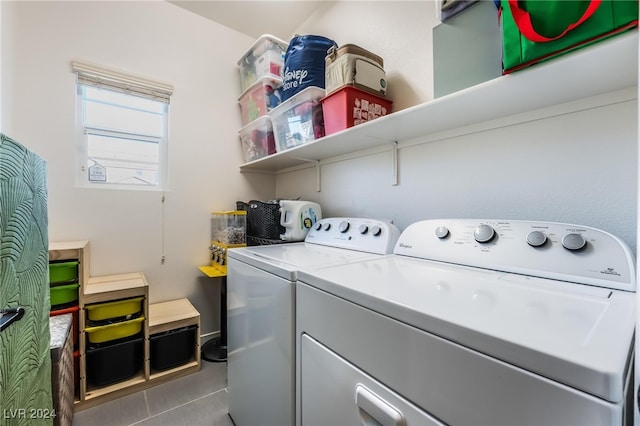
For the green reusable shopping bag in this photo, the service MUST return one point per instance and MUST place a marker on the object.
(537, 30)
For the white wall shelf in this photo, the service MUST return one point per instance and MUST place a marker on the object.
(606, 67)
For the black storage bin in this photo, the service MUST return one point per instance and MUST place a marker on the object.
(115, 362)
(172, 348)
(263, 220)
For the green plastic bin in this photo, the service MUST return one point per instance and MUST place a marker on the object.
(63, 294)
(63, 272)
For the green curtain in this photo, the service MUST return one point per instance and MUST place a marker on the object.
(25, 363)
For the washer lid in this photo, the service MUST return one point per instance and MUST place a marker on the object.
(284, 260)
(575, 334)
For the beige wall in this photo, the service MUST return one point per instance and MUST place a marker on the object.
(398, 31)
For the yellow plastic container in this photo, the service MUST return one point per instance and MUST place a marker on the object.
(118, 330)
(115, 309)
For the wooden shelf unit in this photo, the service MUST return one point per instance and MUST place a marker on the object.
(172, 315)
(113, 287)
(114, 390)
(109, 288)
(159, 317)
(73, 250)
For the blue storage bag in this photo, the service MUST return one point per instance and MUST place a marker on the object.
(304, 64)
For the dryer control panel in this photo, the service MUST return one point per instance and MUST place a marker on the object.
(552, 250)
(368, 235)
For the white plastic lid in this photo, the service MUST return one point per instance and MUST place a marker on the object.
(263, 38)
(311, 93)
(276, 83)
(260, 122)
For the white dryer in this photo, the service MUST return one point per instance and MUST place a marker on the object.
(261, 312)
(471, 322)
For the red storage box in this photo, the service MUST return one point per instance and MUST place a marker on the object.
(351, 106)
(76, 373)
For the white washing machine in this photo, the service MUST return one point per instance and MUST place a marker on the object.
(261, 312)
(471, 322)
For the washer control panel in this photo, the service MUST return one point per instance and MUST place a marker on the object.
(552, 250)
(368, 235)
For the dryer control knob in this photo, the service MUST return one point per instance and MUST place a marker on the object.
(442, 232)
(344, 226)
(363, 229)
(376, 230)
(483, 233)
(317, 226)
(573, 242)
(327, 226)
(536, 238)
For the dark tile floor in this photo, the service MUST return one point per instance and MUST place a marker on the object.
(197, 399)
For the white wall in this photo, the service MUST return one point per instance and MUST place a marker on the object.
(398, 31)
(579, 167)
(129, 230)
(6, 31)
(1, 73)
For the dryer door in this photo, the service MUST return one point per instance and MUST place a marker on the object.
(335, 392)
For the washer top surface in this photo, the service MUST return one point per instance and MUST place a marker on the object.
(576, 334)
(331, 241)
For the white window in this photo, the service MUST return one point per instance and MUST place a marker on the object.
(122, 124)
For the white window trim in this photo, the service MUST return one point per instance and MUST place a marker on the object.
(110, 78)
(114, 79)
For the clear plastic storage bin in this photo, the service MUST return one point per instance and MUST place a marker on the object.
(299, 119)
(264, 58)
(229, 227)
(228, 230)
(257, 139)
(259, 99)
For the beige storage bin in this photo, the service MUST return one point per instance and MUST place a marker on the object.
(352, 65)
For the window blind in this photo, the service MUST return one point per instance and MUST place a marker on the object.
(112, 79)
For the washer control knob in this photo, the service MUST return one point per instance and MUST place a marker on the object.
(573, 242)
(343, 227)
(363, 229)
(376, 230)
(442, 232)
(536, 238)
(483, 233)
(327, 226)
(317, 226)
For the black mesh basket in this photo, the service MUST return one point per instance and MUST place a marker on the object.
(263, 220)
(253, 241)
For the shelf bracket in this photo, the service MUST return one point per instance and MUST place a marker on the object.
(317, 165)
(318, 176)
(394, 163)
